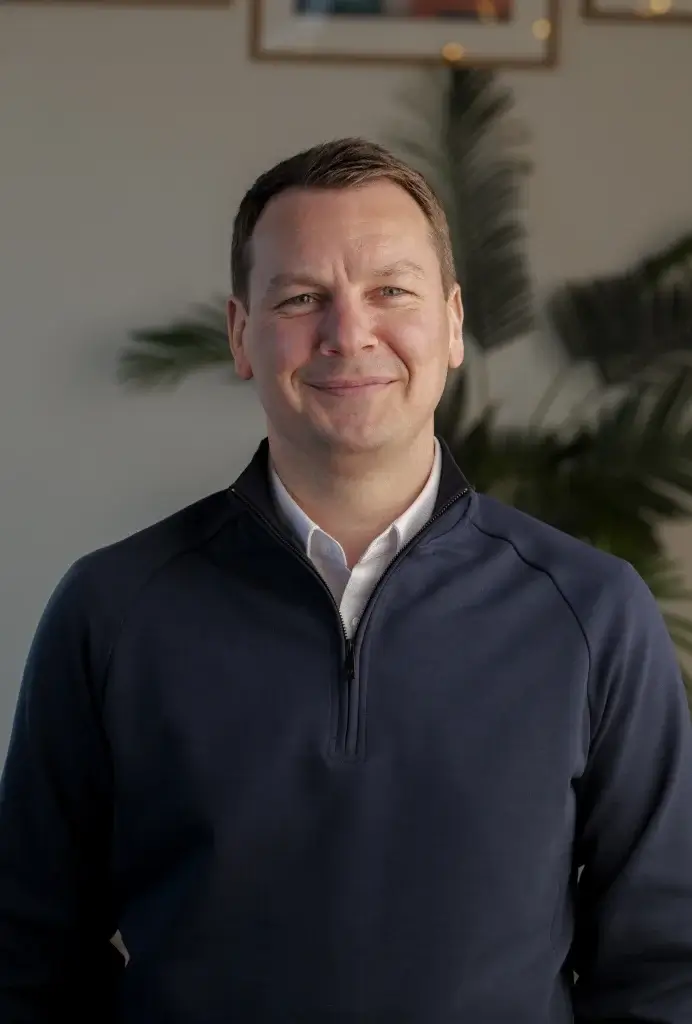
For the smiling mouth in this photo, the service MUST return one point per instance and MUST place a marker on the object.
(351, 387)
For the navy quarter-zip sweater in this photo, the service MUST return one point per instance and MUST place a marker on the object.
(290, 830)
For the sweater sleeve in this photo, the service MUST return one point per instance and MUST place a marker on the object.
(633, 928)
(56, 914)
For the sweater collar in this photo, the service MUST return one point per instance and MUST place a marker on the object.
(254, 485)
(401, 531)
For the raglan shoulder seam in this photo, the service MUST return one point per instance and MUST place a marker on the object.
(195, 545)
(560, 590)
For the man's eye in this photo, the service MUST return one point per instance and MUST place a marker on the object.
(391, 291)
(299, 300)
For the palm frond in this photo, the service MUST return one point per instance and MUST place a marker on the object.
(631, 471)
(666, 583)
(664, 579)
(624, 322)
(452, 412)
(640, 449)
(674, 263)
(612, 482)
(164, 356)
(464, 144)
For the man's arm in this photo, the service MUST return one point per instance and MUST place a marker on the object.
(633, 946)
(56, 918)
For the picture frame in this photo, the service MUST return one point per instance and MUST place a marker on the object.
(639, 12)
(472, 33)
(180, 4)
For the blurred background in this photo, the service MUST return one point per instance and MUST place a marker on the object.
(128, 135)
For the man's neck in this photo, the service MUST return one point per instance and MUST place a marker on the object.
(354, 498)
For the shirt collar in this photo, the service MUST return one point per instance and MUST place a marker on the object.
(402, 529)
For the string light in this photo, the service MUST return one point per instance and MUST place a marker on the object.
(453, 52)
(542, 28)
(486, 10)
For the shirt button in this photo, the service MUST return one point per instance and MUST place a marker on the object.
(355, 620)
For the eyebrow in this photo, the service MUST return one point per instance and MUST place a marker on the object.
(400, 267)
(290, 279)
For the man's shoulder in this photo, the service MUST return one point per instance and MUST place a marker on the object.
(182, 530)
(103, 581)
(583, 575)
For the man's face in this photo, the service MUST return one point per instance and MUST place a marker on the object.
(349, 334)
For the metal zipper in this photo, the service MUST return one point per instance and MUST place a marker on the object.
(295, 550)
(344, 742)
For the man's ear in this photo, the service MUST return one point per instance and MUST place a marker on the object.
(236, 319)
(455, 312)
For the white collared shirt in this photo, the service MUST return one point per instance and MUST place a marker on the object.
(352, 587)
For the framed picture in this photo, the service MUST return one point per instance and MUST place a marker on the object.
(124, 3)
(477, 33)
(643, 12)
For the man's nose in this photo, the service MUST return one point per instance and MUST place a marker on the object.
(346, 330)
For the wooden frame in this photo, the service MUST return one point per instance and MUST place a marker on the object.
(523, 35)
(639, 12)
(180, 4)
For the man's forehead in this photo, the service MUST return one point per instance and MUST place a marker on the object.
(397, 250)
(280, 269)
(296, 236)
(327, 244)
(363, 215)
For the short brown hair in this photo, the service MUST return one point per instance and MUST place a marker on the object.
(343, 163)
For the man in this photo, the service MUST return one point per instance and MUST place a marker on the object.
(348, 742)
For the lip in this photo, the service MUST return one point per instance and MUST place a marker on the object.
(345, 386)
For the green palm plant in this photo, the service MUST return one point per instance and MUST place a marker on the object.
(163, 357)
(460, 134)
(624, 322)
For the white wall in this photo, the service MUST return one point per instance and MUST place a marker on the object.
(127, 138)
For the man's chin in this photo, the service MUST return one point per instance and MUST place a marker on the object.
(354, 440)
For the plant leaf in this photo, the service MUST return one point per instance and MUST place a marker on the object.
(164, 356)
(464, 145)
(624, 322)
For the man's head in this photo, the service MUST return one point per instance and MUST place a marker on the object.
(345, 306)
